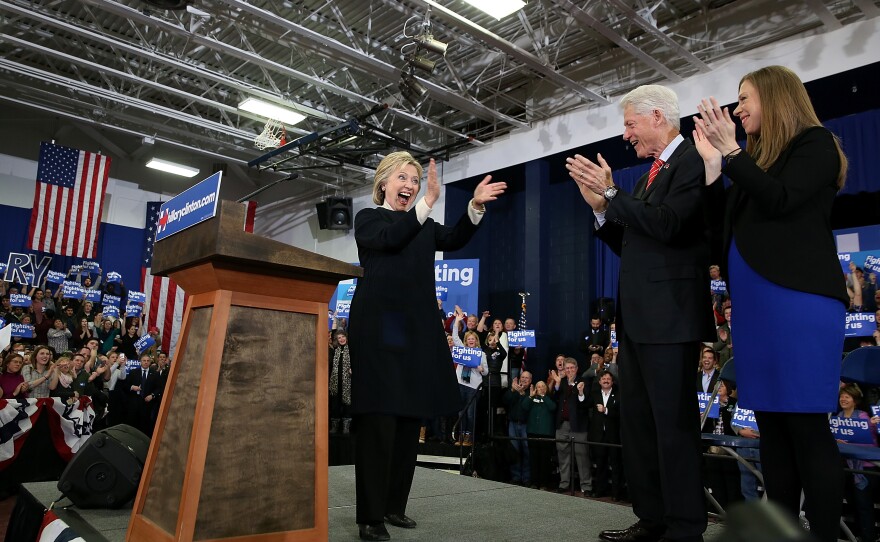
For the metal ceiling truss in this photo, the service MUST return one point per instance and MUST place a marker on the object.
(178, 76)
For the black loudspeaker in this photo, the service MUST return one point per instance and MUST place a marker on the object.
(106, 471)
(335, 214)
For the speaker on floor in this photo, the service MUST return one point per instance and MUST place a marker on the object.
(107, 469)
(335, 214)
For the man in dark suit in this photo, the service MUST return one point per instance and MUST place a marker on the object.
(661, 234)
(141, 384)
(605, 428)
(595, 339)
(572, 422)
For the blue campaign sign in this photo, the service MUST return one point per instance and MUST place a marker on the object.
(90, 266)
(872, 264)
(342, 300)
(461, 278)
(851, 430)
(2, 322)
(134, 309)
(136, 297)
(92, 295)
(71, 290)
(20, 300)
(718, 286)
(24, 331)
(469, 357)
(55, 277)
(860, 324)
(744, 417)
(143, 343)
(110, 310)
(193, 205)
(442, 293)
(522, 337)
(113, 300)
(613, 338)
(113, 276)
(703, 399)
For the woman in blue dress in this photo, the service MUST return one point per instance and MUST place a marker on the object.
(790, 324)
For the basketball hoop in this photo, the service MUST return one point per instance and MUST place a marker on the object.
(273, 135)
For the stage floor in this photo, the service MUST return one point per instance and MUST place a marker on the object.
(446, 506)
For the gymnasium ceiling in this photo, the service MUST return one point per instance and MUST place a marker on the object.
(139, 81)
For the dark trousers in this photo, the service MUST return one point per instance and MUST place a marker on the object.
(609, 471)
(540, 457)
(384, 463)
(798, 453)
(660, 433)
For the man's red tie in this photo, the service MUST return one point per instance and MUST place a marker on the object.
(655, 169)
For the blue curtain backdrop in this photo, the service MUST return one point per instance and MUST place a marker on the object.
(120, 248)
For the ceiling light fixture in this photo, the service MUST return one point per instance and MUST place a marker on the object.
(497, 8)
(271, 111)
(411, 90)
(171, 167)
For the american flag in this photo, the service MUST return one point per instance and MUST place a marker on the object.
(165, 300)
(68, 201)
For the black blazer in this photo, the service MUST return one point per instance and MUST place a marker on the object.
(135, 378)
(400, 360)
(781, 218)
(605, 427)
(578, 411)
(662, 238)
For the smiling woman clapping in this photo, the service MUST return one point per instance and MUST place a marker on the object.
(401, 366)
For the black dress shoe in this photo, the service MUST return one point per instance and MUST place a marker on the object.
(633, 533)
(373, 532)
(400, 520)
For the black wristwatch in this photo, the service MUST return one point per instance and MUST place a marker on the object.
(610, 193)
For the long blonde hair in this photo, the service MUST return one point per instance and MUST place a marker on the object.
(786, 111)
(389, 165)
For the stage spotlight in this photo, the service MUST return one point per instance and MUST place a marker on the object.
(427, 41)
(411, 90)
(422, 63)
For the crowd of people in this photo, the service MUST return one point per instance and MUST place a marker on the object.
(76, 351)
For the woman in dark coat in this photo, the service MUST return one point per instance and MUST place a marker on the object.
(402, 369)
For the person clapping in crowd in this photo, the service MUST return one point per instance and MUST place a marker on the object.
(116, 388)
(605, 428)
(517, 427)
(12, 383)
(496, 357)
(572, 423)
(38, 373)
(859, 486)
(595, 339)
(59, 336)
(540, 425)
(107, 335)
(340, 383)
(61, 383)
(469, 381)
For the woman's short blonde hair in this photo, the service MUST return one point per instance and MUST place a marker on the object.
(469, 334)
(389, 165)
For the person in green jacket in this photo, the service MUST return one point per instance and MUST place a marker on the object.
(541, 425)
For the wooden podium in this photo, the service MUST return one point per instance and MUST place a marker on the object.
(240, 447)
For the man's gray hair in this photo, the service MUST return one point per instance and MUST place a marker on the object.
(647, 98)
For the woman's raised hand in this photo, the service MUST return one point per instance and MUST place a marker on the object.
(432, 190)
(488, 191)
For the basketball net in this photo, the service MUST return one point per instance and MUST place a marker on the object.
(273, 135)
